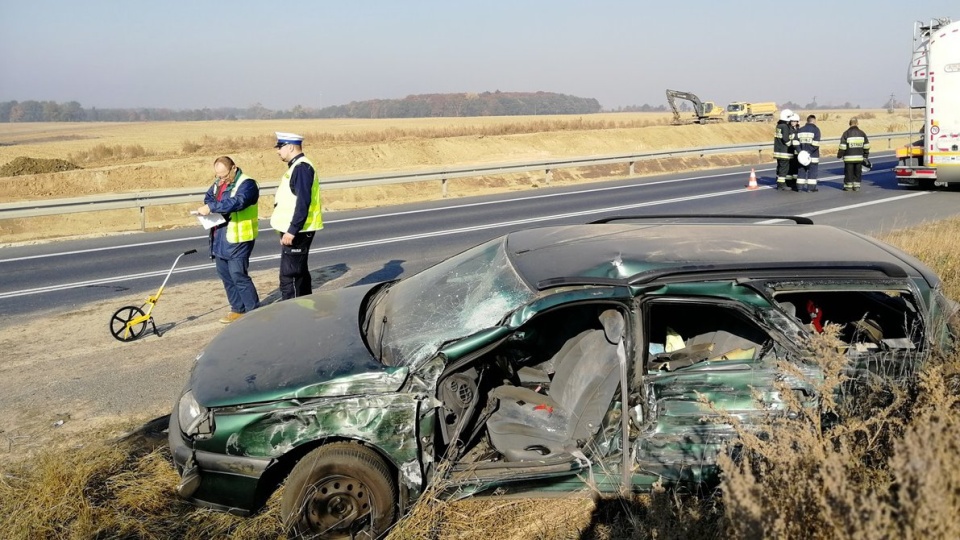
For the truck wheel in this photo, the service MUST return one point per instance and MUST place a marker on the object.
(340, 490)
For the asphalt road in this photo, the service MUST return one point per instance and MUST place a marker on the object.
(383, 243)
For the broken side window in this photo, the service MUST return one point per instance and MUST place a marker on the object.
(868, 319)
(686, 333)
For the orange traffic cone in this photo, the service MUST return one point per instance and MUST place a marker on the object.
(752, 184)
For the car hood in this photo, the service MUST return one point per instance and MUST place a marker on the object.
(300, 348)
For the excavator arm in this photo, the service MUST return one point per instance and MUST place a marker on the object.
(673, 95)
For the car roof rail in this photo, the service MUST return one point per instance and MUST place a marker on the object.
(782, 270)
(799, 268)
(799, 220)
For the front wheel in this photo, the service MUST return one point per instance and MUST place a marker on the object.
(340, 490)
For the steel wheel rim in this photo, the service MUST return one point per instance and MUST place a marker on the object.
(336, 504)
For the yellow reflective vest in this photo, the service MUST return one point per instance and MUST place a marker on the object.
(243, 225)
(285, 202)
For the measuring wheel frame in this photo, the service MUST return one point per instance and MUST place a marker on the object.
(130, 322)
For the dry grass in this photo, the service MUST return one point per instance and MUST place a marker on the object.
(112, 489)
(888, 470)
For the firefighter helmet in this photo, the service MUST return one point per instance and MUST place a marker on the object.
(785, 115)
(794, 117)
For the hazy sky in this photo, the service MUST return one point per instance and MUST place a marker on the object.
(195, 54)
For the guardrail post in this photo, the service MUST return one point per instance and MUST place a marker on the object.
(549, 176)
(633, 171)
(443, 187)
(760, 155)
(143, 218)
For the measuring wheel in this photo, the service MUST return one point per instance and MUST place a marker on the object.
(118, 323)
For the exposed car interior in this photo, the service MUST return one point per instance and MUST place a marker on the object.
(882, 320)
(684, 333)
(541, 393)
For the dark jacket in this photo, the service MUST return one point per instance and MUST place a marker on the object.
(809, 137)
(782, 142)
(247, 195)
(854, 146)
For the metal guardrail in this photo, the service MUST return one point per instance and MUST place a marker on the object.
(142, 200)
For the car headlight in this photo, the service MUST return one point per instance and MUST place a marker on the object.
(194, 418)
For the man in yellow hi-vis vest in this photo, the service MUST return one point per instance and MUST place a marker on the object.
(296, 215)
(233, 195)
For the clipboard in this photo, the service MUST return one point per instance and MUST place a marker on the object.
(209, 221)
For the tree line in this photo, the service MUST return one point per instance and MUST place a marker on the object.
(415, 106)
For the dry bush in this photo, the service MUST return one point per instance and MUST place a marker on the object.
(885, 470)
(134, 151)
(867, 115)
(103, 153)
(824, 116)
(190, 147)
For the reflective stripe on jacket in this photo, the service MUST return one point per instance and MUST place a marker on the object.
(240, 197)
(854, 145)
(782, 143)
(243, 225)
(809, 137)
(286, 201)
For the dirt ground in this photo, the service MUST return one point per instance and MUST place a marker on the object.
(63, 373)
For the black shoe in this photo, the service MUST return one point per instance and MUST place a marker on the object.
(814, 188)
(845, 188)
(856, 188)
(781, 187)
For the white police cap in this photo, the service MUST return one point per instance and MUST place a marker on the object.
(288, 138)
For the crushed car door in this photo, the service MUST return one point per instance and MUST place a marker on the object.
(704, 359)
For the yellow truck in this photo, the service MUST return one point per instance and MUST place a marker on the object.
(741, 111)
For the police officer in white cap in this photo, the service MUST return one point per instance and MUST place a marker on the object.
(296, 215)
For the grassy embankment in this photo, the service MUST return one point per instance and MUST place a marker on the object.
(888, 470)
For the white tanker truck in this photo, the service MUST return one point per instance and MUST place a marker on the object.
(934, 78)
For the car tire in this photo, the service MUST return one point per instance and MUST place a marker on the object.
(337, 491)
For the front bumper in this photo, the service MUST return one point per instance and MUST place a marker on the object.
(213, 480)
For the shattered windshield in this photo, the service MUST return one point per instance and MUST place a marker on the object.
(460, 296)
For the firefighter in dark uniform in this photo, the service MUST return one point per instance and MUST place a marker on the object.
(794, 169)
(854, 150)
(782, 148)
(809, 138)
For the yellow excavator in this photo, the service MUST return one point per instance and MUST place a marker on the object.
(706, 111)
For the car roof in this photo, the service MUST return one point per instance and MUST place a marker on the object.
(604, 251)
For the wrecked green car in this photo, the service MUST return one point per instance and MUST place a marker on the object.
(546, 360)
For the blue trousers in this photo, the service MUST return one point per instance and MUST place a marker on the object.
(241, 292)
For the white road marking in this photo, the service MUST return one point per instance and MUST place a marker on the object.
(853, 206)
